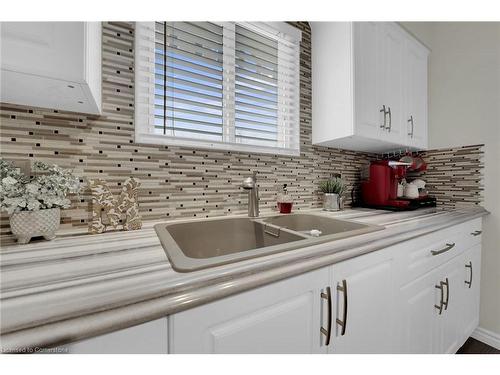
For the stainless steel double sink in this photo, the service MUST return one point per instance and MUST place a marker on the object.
(206, 243)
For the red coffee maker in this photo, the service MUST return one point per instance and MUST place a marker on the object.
(380, 188)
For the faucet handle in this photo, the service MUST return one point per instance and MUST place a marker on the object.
(248, 183)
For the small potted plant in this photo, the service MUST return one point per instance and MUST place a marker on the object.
(333, 190)
(34, 202)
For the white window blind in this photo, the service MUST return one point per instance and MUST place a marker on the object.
(218, 85)
(188, 80)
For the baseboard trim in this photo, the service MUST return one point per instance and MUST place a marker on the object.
(488, 337)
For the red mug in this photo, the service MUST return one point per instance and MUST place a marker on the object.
(285, 207)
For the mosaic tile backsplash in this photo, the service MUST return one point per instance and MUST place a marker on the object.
(176, 182)
(181, 182)
(454, 175)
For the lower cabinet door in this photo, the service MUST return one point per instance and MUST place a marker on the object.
(364, 311)
(471, 276)
(450, 332)
(283, 317)
(439, 310)
(418, 321)
(146, 338)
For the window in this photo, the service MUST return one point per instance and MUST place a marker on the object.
(232, 86)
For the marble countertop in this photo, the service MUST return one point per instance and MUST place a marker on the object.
(77, 287)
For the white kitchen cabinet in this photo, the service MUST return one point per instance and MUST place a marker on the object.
(367, 95)
(287, 316)
(438, 311)
(53, 65)
(430, 309)
(415, 96)
(392, 39)
(364, 303)
(283, 317)
(449, 321)
(469, 289)
(146, 338)
(360, 96)
(417, 317)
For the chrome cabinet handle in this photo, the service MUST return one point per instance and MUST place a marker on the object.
(410, 120)
(383, 110)
(443, 250)
(440, 306)
(328, 331)
(445, 304)
(469, 283)
(390, 119)
(343, 322)
(476, 232)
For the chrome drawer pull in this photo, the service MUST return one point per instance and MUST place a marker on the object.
(469, 283)
(328, 331)
(383, 110)
(390, 119)
(477, 232)
(449, 246)
(410, 120)
(343, 322)
(440, 306)
(445, 304)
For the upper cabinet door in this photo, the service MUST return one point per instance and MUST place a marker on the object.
(368, 112)
(55, 65)
(415, 114)
(359, 75)
(393, 44)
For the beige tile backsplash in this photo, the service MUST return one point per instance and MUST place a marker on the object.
(454, 175)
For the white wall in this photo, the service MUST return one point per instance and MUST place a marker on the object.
(464, 109)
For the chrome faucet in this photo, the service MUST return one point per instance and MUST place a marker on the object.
(250, 184)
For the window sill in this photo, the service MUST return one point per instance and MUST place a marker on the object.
(161, 140)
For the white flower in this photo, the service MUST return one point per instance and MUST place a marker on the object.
(47, 189)
(32, 188)
(9, 181)
(12, 204)
(33, 205)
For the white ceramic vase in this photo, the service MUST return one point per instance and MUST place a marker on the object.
(27, 224)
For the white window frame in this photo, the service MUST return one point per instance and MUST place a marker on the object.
(145, 93)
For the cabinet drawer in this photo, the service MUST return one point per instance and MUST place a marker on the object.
(472, 232)
(428, 252)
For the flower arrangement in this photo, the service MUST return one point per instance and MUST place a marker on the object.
(46, 189)
(333, 186)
